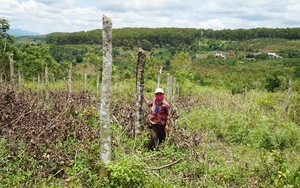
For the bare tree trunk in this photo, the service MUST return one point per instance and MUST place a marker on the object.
(12, 72)
(2, 62)
(158, 77)
(70, 81)
(53, 78)
(139, 91)
(39, 81)
(169, 88)
(174, 88)
(105, 145)
(46, 83)
(85, 81)
(288, 96)
(19, 80)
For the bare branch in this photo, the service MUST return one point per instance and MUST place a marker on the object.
(165, 166)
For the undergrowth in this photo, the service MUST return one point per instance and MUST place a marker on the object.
(216, 140)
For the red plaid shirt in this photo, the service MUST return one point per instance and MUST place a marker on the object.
(159, 112)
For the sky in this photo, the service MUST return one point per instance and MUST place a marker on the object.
(48, 16)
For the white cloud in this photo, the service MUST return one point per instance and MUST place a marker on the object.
(46, 16)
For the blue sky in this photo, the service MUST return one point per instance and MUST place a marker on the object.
(47, 16)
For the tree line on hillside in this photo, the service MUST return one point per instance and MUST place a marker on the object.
(168, 48)
(148, 37)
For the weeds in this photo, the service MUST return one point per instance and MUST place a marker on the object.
(216, 140)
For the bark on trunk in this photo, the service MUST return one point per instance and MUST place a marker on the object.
(169, 87)
(288, 95)
(19, 80)
(53, 79)
(105, 145)
(70, 81)
(12, 72)
(85, 81)
(46, 83)
(139, 91)
(158, 77)
(39, 81)
(174, 88)
(2, 63)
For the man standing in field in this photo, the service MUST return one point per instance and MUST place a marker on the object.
(159, 118)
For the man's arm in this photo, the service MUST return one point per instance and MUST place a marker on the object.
(146, 100)
(149, 103)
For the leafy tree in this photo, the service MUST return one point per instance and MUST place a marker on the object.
(33, 59)
(72, 53)
(181, 61)
(94, 59)
(6, 45)
(146, 45)
(273, 82)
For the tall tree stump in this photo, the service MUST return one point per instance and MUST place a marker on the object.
(139, 91)
(105, 144)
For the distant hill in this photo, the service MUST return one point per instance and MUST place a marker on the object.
(21, 32)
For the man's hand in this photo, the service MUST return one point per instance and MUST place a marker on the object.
(145, 99)
(166, 128)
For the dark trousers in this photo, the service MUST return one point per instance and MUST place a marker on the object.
(157, 135)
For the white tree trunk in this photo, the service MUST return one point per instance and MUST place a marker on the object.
(139, 91)
(70, 81)
(174, 88)
(19, 80)
(288, 95)
(53, 79)
(158, 77)
(2, 61)
(105, 145)
(39, 81)
(12, 72)
(85, 81)
(169, 87)
(46, 83)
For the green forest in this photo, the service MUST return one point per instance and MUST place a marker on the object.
(235, 108)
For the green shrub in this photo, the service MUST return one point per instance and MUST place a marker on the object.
(126, 172)
(285, 177)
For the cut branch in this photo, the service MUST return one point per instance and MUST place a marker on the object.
(165, 166)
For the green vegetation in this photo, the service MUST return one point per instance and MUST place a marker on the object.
(170, 36)
(232, 122)
(219, 140)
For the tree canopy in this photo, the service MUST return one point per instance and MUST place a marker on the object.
(6, 47)
(170, 36)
